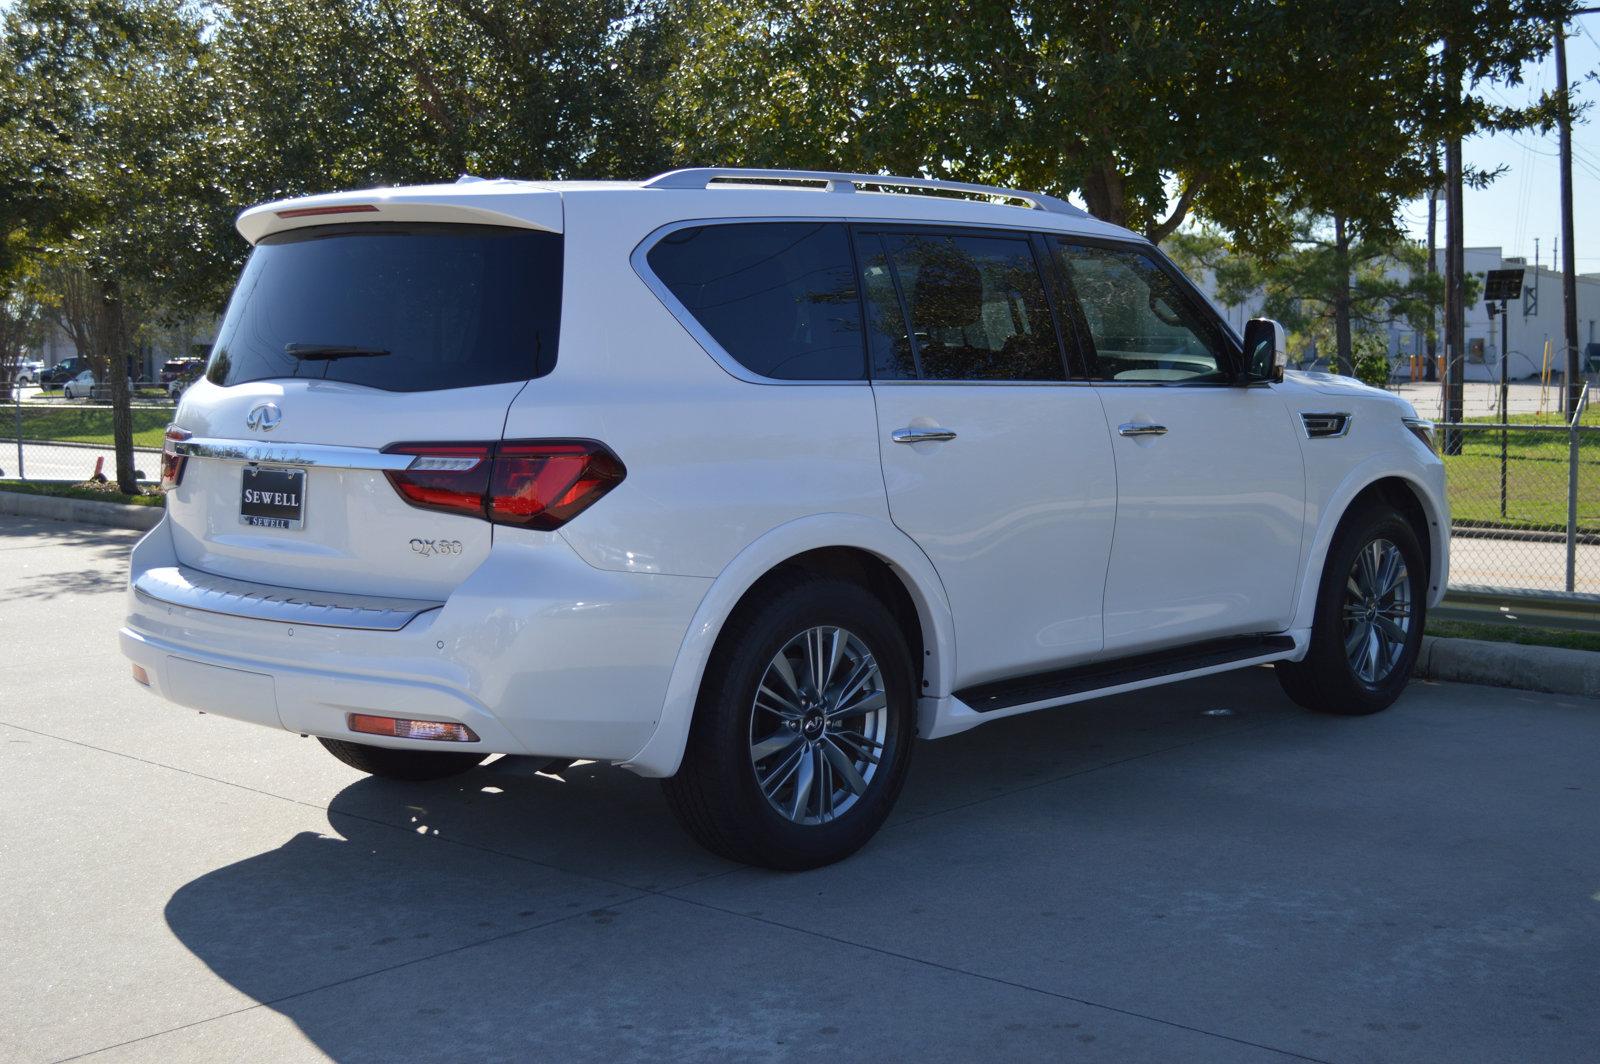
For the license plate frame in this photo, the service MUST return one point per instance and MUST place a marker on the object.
(274, 512)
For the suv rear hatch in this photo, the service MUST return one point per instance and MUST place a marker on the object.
(343, 344)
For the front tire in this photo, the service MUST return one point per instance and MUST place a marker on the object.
(802, 734)
(408, 765)
(1367, 629)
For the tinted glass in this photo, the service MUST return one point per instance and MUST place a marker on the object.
(887, 341)
(1144, 326)
(406, 308)
(977, 306)
(780, 297)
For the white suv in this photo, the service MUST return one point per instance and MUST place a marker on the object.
(744, 479)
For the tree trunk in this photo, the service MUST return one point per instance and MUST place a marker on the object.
(1341, 298)
(114, 339)
(1102, 191)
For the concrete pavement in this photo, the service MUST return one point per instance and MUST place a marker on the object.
(1128, 880)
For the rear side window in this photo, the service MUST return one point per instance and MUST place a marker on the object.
(977, 307)
(404, 308)
(780, 297)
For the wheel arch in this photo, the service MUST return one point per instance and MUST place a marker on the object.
(872, 551)
(1421, 504)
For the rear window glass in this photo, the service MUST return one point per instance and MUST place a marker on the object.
(780, 297)
(404, 308)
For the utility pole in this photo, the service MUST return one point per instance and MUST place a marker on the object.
(1455, 310)
(1429, 372)
(1569, 271)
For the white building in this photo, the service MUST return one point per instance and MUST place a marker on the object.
(1531, 322)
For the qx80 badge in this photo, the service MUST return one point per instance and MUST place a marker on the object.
(426, 547)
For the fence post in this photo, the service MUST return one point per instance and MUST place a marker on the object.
(1572, 488)
(16, 398)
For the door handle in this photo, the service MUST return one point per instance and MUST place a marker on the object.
(921, 435)
(1140, 428)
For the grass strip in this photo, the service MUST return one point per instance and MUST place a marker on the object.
(90, 491)
(1526, 634)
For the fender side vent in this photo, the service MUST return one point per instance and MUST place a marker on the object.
(1325, 426)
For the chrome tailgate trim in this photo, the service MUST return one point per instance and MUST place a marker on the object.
(179, 585)
(300, 454)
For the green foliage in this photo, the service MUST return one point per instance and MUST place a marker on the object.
(329, 94)
(1372, 359)
(1247, 112)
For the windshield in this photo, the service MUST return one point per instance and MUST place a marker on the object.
(401, 307)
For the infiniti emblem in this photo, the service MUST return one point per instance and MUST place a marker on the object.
(263, 417)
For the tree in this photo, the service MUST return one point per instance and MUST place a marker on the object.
(20, 323)
(1140, 106)
(1319, 281)
(1244, 112)
(328, 94)
(1385, 93)
(110, 106)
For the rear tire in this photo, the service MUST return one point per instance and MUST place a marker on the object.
(784, 771)
(1374, 590)
(408, 765)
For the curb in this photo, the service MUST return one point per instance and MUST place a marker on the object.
(1552, 670)
(81, 511)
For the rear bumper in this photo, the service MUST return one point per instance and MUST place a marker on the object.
(537, 652)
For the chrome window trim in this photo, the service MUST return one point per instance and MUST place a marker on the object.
(325, 456)
(181, 586)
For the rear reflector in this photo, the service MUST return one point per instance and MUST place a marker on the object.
(399, 728)
(310, 212)
(537, 484)
(140, 676)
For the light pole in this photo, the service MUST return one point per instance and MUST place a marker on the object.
(1502, 286)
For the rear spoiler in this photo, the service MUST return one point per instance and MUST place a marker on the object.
(520, 204)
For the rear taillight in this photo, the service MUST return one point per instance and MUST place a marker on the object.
(537, 484)
(172, 462)
(545, 484)
(452, 477)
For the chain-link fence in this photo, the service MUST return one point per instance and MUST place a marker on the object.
(1525, 504)
(1481, 400)
(50, 440)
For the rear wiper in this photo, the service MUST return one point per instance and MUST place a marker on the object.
(329, 352)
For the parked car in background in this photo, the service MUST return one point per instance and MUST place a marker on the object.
(181, 369)
(178, 373)
(28, 371)
(62, 371)
(746, 479)
(79, 387)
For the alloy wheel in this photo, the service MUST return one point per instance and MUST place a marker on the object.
(819, 726)
(1377, 611)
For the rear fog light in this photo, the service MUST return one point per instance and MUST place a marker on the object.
(400, 728)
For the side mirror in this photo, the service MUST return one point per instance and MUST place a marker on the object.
(1266, 351)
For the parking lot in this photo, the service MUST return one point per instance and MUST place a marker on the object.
(1131, 880)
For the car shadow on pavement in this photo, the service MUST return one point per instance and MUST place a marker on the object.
(411, 872)
(407, 872)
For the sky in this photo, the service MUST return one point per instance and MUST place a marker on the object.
(1524, 202)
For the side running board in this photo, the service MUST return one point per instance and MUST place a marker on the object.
(1066, 683)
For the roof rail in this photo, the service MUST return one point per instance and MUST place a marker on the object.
(702, 176)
